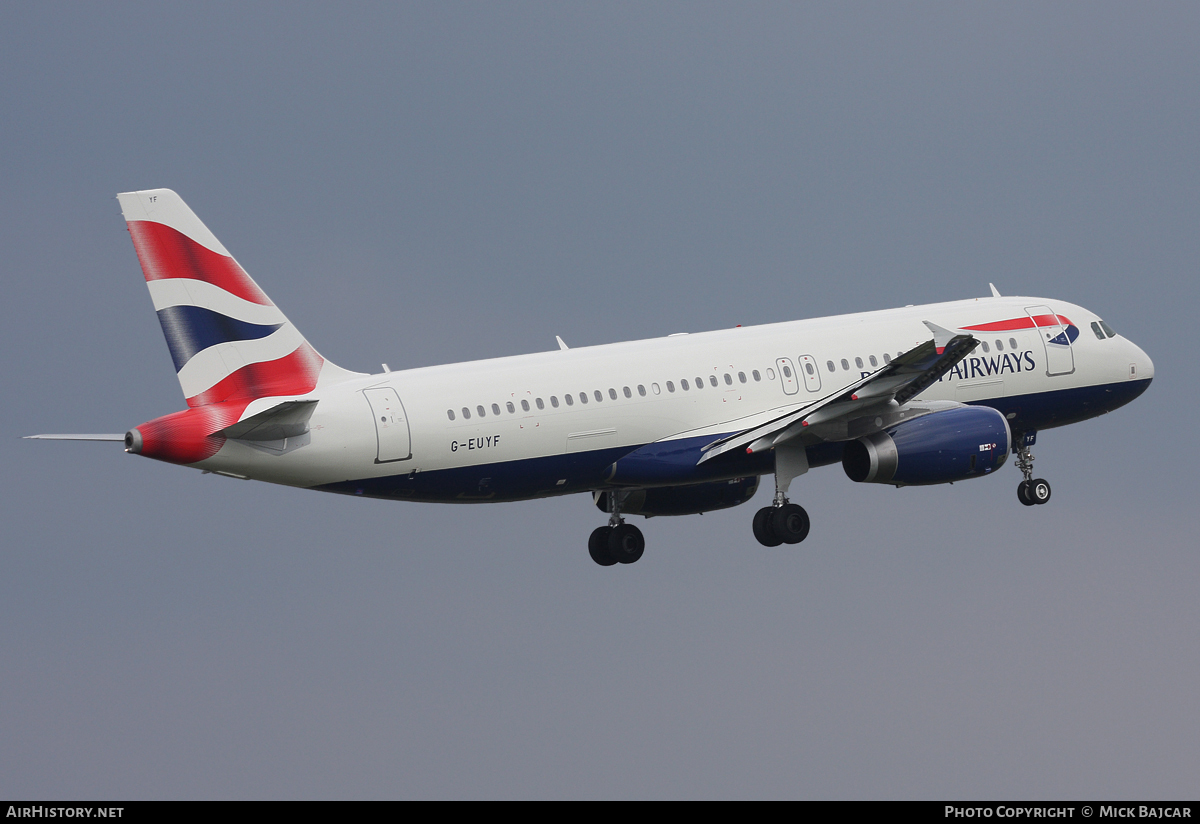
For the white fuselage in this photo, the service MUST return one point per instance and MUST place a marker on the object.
(444, 440)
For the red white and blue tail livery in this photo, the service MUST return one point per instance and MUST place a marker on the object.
(678, 425)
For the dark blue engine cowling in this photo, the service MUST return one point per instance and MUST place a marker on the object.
(683, 500)
(941, 447)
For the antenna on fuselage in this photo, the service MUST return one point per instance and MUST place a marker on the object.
(995, 291)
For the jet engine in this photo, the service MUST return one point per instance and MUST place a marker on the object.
(682, 500)
(941, 447)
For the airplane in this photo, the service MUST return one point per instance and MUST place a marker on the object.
(677, 425)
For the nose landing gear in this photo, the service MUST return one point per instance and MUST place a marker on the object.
(1030, 491)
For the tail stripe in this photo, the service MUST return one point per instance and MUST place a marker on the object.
(294, 374)
(166, 253)
(210, 366)
(192, 329)
(185, 292)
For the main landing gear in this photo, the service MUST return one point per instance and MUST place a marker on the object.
(782, 523)
(1030, 491)
(617, 543)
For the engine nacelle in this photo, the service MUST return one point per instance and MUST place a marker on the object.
(941, 447)
(682, 500)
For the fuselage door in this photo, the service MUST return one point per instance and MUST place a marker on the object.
(787, 374)
(391, 425)
(810, 372)
(1056, 340)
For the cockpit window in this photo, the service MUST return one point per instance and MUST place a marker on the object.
(1096, 329)
(1108, 329)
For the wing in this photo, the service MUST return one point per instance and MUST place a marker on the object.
(894, 385)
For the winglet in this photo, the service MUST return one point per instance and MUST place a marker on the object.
(941, 336)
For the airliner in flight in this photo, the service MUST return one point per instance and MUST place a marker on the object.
(669, 426)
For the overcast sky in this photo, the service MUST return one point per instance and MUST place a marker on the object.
(421, 184)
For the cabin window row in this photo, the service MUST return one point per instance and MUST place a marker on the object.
(859, 363)
(685, 385)
(887, 358)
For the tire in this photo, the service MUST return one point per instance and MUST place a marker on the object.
(598, 546)
(762, 527)
(790, 523)
(626, 544)
(1023, 493)
(1039, 491)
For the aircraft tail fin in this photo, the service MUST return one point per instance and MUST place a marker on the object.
(227, 338)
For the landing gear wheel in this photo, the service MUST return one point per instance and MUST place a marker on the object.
(625, 543)
(790, 523)
(762, 527)
(598, 546)
(1023, 493)
(1039, 491)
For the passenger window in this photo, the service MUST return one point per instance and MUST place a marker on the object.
(524, 406)
(699, 383)
(641, 390)
(742, 377)
(770, 374)
(583, 397)
(495, 409)
(728, 379)
(570, 400)
(1012, 342)
(684, 384)
(612, 393)
(887, 358)
(712, 379)
(787, 371)
(874, 362)
(628, 394)
(756, 376)
(482, 413)
(999, 345)
(539, 403)
(450, 413)
(511, 408)
(670, 387)
(808, 367)
(845, 364)
(654, 387)
(983, 344)
(554, 401)
(858, 362)
(599, 395)
(466, 414)
(829, 365)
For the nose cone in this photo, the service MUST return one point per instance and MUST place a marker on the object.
(1140, 366)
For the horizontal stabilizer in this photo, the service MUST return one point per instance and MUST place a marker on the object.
(286, 420)
(76, 437)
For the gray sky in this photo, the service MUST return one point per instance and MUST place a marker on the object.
(435, 183)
